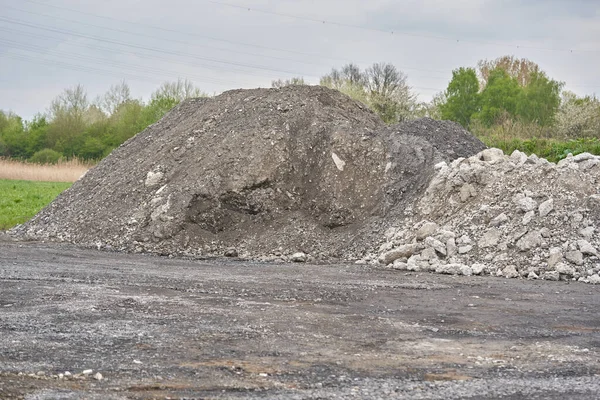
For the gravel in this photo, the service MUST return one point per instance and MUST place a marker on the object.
(158, 327)
(260, 174)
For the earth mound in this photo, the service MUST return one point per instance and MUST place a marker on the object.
(255, 173)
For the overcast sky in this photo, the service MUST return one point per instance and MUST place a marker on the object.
(49, 45)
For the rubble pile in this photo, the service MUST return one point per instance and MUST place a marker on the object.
(305, 173)
(292, 174)
(510, 216)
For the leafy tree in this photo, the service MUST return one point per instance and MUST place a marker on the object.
(348, 75)
(165, 98)
(462, 98)
(279, 83)
(93, 115)
(115, 96)
(126, 121)
(36, 130)
(390, 95)
(382, 87)
(431, 109)
(499, 98)
(539, 100)
(68, 120)
(578, 116)
(520, 69)
(92, 148)
(12, 135)
(176, 92)
(75, 127)
(510, 89)
(46, 156)
(155, 110)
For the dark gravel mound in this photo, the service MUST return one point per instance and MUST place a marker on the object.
(265, 171)
(447, 137)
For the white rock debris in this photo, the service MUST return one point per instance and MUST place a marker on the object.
(523, 217)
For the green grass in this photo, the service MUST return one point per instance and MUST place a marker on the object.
(531, 138)
(21, 200)
(551, 149)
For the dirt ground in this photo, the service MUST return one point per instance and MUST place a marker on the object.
(159, 328)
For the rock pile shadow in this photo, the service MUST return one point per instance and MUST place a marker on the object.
(262, 173)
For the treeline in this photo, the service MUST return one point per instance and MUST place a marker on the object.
(507, 102)
(507, 94)
(89, 130)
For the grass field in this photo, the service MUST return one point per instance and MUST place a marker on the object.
(66, 171)
(21, 200)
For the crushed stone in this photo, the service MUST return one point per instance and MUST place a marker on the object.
(265, 174)
(523, 217)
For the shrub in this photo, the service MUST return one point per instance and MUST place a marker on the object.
(46, 156)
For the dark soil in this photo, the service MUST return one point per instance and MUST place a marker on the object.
(266, 171)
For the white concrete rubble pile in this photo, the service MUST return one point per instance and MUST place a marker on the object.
(510, 216)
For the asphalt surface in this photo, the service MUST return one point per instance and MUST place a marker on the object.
(158, 328)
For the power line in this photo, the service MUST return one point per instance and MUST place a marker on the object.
(103, 61)
(161, 51)
(115, 51)
(394, 32)
(65, 32)
(186, 32)
(344, 60)
(77, 57)
(153, 49)
(195, 44)
(80, 68)
(288, 50)
(137, 54)
(186, 43)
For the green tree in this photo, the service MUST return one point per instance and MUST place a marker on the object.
(431, 109)
(540, 99)
(115, 96)
(13, 136)
(165, 98)
(67, 120)
(45, 156)
(279, 83)
(499, 98)
(176, 92)
(37, 130)
(521, 69)
(382, 87)
(349, 75)
(578, 116)
(92, 149)
(462, 97)
(126, 122)
(155, 110)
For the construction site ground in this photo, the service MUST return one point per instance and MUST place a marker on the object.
(156, 328)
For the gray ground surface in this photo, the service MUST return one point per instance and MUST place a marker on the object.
(159, 328)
